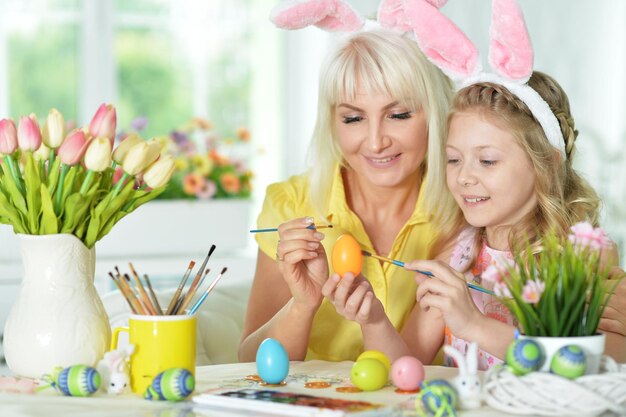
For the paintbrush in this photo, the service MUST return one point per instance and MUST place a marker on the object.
(123, 292)
(192, 291)
(194, 285)
(427, 273)
(275, 229)
(142, 292)
(172, 305)
(155, 300)
(204, 295)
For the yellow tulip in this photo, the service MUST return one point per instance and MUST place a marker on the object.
(54, 129)
(122, 149)
(98, 155)
(140, 156)
(160, 172)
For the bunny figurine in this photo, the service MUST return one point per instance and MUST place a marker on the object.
(114, 369)
(467, 383)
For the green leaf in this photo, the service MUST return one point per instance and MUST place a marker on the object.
(53, 176)
(32, 182)
(8, 211)
(15, 196)
(49, 223)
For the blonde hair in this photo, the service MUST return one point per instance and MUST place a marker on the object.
(381, 61)
(563, 196)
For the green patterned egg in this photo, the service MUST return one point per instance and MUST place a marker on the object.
(173, 384)
(569, 362)
(524, 356)
(437, 397)
(77, 381)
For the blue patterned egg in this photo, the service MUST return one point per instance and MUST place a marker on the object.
(174, 384)
(569, 362)
(437, 397)
(272, 361)
(77, 381)
(524, 356)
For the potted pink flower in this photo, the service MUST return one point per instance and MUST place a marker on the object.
(557, 293)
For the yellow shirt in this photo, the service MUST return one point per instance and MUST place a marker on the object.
(332, 337)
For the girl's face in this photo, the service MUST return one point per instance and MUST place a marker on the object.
(489, 174)
(383, 141)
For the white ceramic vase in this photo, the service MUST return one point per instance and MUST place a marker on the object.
(58, 318)
(593, 346)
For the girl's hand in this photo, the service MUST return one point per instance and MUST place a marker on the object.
(447, 292)
(302, 261)
(354, 298)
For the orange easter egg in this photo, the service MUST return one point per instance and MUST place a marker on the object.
(346, 256)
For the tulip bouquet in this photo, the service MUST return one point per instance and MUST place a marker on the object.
(52, 182)
(559, 291)
(207, 166)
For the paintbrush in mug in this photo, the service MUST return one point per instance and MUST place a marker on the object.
(311, 226)
(427, 273)
(208, 290)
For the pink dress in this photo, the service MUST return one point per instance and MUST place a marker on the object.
(487, 304)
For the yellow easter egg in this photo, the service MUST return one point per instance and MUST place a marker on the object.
(378, 355)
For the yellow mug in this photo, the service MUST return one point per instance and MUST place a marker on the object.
(161, 342)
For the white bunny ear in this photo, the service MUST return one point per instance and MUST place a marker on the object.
(510, 50)
(471, 359)
(458, 358)
(442, 41)
(331, 15)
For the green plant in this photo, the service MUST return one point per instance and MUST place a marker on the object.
(559, 291)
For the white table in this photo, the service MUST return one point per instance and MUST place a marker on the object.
(209, 378)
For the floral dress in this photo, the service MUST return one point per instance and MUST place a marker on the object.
(481, 274)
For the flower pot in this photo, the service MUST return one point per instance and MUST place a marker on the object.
(58, 318)
(593, 346)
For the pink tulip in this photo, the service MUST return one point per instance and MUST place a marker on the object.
(104, 123)
(8, 137)
(28, 133)
(73, 147)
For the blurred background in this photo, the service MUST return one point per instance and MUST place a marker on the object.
(218, 72)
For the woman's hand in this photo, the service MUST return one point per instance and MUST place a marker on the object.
(302, 261)
(447, 292)
(354, 298)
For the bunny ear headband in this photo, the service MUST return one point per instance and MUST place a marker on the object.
(443, 43)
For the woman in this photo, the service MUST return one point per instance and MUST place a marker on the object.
(380, 124)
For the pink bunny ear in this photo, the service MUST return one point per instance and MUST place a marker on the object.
(510, 50)
(392, 14)
(331, 15)
(442, 41)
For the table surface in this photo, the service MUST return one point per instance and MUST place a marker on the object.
(219, 377)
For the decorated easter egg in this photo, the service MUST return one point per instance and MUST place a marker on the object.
(524, 356)
(78, 381)
(369, 374)
(346, 256)
(272, 361)
(407, 373)
(174, 384)
(569, 362)
(378, 355)
(438, 397)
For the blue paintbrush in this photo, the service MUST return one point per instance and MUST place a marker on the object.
(427, 273)
(274, 229)
(198, 303)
